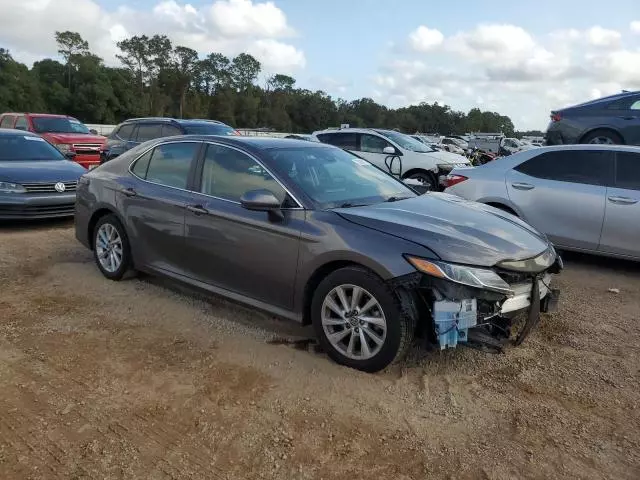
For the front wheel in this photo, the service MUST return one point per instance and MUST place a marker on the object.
(358, 320)
(111, 247)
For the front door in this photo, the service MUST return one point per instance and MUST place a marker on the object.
(562, 194)
(371, 148)
(247, 252)
(621, 230)
(153, 203)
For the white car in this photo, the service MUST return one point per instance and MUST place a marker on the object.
(397, 153)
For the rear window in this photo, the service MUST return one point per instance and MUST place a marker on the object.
(208, 129)
(26, 147)
(344, 140)
(7, 121)
(52, 125)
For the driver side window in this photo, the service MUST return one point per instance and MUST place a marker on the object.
(373, 144)
(228, 174)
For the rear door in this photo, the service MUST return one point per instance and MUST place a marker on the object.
(621, 230)
(153, 202)
(562, 194)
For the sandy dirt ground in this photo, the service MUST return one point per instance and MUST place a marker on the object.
(140, 379)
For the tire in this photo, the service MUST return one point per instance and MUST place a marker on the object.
(428, 180)
(110, 227)
(602, 137)
(390, 342)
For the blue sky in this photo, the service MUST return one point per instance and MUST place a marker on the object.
(507, 56)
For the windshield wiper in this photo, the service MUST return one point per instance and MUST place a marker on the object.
(395, 199)
(350, 205)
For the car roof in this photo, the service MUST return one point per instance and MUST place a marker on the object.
(13, 132)
(255, 144)
(607, 99)
(50, 115)
(179, 121)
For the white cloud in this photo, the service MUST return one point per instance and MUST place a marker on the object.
(601, 37)
(635, 26)
(508, 69)
(424, 38)
(244, 18)
(226, 26)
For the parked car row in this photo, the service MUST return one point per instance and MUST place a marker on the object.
(323, 230)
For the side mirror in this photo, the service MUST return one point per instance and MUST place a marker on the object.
(70, 155)
(260, 200)
(389, 150)
(93, 131)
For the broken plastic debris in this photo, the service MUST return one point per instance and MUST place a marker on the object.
(614, 290)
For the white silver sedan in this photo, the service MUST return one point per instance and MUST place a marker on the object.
(583, 197)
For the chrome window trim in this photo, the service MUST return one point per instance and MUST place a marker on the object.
(130, 169)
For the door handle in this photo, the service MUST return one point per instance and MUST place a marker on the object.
(129, 192)
(522, 186)
(197, 209)
(622, 200)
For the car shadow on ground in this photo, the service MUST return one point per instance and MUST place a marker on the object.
(44, 224)
(577, 260)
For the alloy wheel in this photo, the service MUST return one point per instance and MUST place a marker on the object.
(109, 247)
(602, 140)
(354, 322)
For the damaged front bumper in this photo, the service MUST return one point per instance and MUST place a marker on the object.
(450, 313)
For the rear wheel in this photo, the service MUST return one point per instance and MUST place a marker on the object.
(427, 180)
(358, 320)
(111, 247)
(602, 137)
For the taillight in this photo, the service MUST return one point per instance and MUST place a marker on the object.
(451, 180)
(555, 117)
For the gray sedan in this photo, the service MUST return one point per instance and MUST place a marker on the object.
(584, 197)
(313, 233)
(36, 180)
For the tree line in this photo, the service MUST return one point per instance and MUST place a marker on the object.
(158, 78)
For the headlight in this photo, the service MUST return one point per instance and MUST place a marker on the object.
(63, 147)
(473, 277)
(535, 264)
(7, 187)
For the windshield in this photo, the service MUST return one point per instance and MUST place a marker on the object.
(79, 127)
(208, 129)
(52, 125)
(26, 147)
(406, 141)
(332, 177)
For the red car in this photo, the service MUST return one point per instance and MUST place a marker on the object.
(67, 134)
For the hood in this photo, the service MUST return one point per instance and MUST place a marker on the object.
(40, 171)
(447, 157)
(73, 138)
(455, 229)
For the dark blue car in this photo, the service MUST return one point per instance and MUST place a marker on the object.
(139, 130)
(609, 120)
(36, 180)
